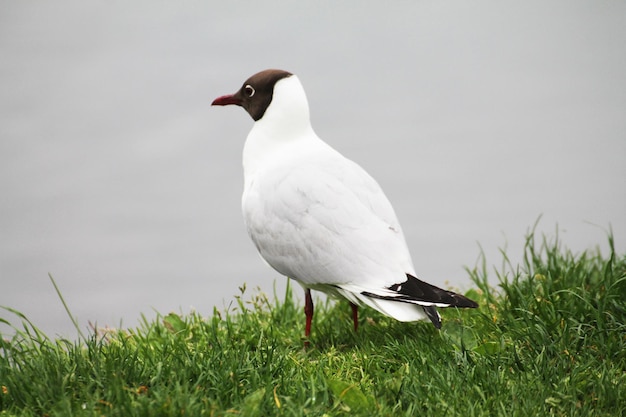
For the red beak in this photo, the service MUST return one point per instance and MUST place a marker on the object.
(226, 100)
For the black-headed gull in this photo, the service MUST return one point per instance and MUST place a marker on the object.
(319, 218)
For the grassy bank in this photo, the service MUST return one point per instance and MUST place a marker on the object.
(549, 340)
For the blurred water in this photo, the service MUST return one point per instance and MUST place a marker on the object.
(119, 178)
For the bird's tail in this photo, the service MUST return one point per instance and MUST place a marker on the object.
(411, 300)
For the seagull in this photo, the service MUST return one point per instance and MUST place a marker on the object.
(319, 218)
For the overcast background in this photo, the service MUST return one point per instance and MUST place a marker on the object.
(118, 177)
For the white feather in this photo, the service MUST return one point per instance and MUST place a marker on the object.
(316, 216)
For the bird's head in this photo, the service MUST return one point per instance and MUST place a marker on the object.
(256, 93)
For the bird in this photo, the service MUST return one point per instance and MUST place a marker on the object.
(317, 217)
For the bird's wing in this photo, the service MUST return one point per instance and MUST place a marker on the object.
(323, 220)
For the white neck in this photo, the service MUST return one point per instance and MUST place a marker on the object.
(285, 122)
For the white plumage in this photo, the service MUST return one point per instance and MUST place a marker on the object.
(319, 218)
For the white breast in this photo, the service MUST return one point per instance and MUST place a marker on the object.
(319, 218)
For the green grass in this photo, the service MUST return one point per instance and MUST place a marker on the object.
(549, 341)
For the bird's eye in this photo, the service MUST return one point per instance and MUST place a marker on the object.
(249, 90)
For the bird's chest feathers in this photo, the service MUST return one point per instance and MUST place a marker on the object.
(312, 217)
(289, 218)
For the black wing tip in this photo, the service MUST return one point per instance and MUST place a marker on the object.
(463, 302)
(433, 315)
(427, 292)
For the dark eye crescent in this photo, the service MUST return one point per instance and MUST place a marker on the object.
(249, 90)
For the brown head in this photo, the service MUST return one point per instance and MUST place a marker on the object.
(255, 95)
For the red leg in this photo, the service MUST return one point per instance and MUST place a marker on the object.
(308, 311)
(355, 315)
